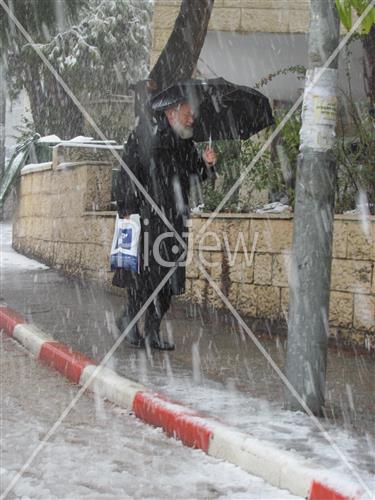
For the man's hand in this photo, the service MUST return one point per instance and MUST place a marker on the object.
(209, 157)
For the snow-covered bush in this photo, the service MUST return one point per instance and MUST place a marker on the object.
(101, 56)
(107, 51)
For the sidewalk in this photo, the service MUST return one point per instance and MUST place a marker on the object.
(215, 368)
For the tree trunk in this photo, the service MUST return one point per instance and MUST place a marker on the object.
(64, 118)
(369, 67)
(36, 97)
(52, 110)
(187, 39)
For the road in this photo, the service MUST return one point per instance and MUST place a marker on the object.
(100, 451)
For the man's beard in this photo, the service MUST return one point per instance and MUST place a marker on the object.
(182, 131)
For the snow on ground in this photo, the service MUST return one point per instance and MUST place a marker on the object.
(9, 258)
(351, 463)
(100, 451)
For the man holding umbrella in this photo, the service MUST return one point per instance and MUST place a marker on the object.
(167, 165)
(162, 155)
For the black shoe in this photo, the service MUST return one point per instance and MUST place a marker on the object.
(155, 342)
(133, 336)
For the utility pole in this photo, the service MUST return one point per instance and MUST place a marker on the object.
(2, 124)
(310, 275)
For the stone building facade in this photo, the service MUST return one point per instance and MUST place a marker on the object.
(248, 40)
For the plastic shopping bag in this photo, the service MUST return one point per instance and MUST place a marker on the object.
(125, 252)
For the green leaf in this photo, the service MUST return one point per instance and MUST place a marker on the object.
(360, 5)
(344, 10)
(368, 22)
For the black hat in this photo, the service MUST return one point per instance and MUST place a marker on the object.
(177, 94)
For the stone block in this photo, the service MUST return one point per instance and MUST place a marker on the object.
(43, 228)
(28, 221)
(280, 269)
(30, 206)
(47, 179)
(289, 5)
(225, 19)
(213, 298)
(25, 246)
(268, 301)
(165, 16)
(216, 266)
(364, 312)
(340, 239)
(25, 206)
(19, 228)
(42, 205)
(95, 258)
(69, 179)
(98, 230)
(351, 275)
(161, 37)
(192, 270)
(68, 204)
(36, 205)
(168, 3)
(50, 252)
(154, 56)
(299, 20)
(199, 291)
(25, 184)
(241, 271)
(232, 294)
(62, 252)
(69, 230)
(263, 269)
(236, 237)
(203, 259)
(98, 189)
(341, 309)
(273, 235)
(350, 337)
(210, 241)
(208, 238)
(228, 3)
(361, 243)
(37, 178)
(247, 299)
(264, 20)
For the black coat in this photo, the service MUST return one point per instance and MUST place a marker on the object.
(166, 168)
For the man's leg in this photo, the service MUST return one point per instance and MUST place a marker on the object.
(153, 319)
(133, 305)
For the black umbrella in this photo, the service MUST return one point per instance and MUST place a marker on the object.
(226, 111)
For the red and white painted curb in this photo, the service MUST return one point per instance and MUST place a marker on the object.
(279, 468)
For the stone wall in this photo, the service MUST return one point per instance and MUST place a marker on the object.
(63, 219)
(63, 215)
(241, 16)
(259, 288)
